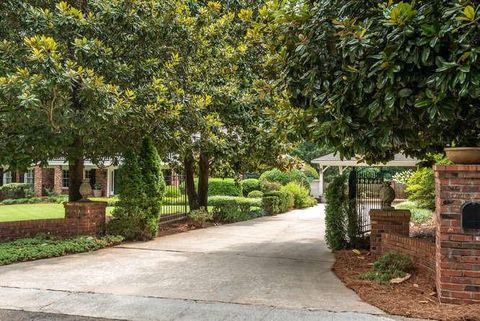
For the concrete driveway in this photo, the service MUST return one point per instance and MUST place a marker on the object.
(272, 268)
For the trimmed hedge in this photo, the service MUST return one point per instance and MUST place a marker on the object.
(231, 209)
(284, 203)
(250, 185)
(15, 190)
(302, 198)
(220, 186)
(255, 194)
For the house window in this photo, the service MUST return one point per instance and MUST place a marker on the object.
(28, 177)
(7, 178)
(65, 178)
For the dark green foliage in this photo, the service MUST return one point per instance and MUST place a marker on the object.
(255, 194)
(353, 227)
(141, 189)
(335, 220)
(421, 188)
(15, 190)
(152, 175)
(285, 200)
(302, 198)
(44, 247)
(381, 77)
(231, 209)
(270, 205)
(276, 175)
(249, 185)
(224, 186)
(389, 266)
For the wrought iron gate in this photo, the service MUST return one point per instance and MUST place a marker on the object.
(175, 203)
(364, 191)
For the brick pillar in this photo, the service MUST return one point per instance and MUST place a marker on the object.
(38, 181)
(458, 250)
(57, 179)
(85, 218)
(387, 221)
(101, 178)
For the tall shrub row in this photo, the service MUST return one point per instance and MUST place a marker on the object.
(141, 188)
(341, 218)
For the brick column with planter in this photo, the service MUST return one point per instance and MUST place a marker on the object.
(457, 244)
(387, 221)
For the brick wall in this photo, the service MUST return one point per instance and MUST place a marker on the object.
(387, 221)
(101, 178)
(58, 181)
(457, 250)
(422, 252)
(81, 218)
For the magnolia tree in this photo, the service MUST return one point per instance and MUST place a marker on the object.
(213, 76)
(78, 79)
(377, 78)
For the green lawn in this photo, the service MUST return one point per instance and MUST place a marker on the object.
(22, 212)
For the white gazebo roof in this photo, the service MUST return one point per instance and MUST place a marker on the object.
(399, 160)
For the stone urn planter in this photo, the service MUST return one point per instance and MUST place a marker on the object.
(85, 189)
(463, 155)
(97, 190)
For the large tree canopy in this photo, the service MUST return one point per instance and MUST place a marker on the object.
(78, 78)
(377, 78)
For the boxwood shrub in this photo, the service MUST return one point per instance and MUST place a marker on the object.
(285, 200)
(302, 198)
(220, 186)
(15, 190)
(270, 205)
(255, 194)
(249, 185)
(231, 209)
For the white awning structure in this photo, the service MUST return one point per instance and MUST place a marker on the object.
(332, 160)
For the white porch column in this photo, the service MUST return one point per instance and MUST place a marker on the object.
(320, 182)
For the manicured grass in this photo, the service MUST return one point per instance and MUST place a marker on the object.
(41, 247)
(419, 215)
(23, 212)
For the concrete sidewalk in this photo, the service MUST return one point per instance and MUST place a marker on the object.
(272, 268)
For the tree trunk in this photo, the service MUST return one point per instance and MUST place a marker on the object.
(203, 174)
(75, 171)
(189, 164)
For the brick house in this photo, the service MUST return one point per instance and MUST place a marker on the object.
(55, 177)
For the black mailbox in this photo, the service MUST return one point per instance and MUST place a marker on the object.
(471, 216)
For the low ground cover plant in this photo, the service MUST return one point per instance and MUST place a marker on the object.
(390, 266)
(200, 216)
(35, 200)
(41, 247)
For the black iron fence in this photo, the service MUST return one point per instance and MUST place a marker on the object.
(364, 191)
(175, 202)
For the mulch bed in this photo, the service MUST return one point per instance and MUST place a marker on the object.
(180, 227)
(424, 230)
(414, 298)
